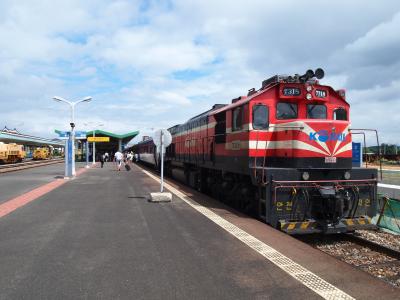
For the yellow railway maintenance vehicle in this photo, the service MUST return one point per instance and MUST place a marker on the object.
(42, 153)
(11, 153)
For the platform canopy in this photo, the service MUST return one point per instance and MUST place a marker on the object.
(14, 136)
(125, 138)
(117, 141)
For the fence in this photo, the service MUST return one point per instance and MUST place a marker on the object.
(389, 217)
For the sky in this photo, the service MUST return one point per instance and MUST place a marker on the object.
(154, 64)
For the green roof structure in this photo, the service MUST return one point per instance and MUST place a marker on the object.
(117, 141)
(126, 138)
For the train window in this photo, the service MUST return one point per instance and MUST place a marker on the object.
(237, 119)
(220, 128)
(316, 111)
(340, 114)
(286, 110)
(260, 117)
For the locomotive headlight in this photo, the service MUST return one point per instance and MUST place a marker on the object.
(309, 88)
(308, 96)
(347, 175)
(305, 176)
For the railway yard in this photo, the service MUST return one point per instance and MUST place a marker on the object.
(226, 150)
(258, 206)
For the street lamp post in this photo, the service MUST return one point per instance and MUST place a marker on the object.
(71, 172)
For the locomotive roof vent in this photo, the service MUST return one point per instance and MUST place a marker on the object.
(234, 100)
(309, 76)
(251, 92)
(216, 106)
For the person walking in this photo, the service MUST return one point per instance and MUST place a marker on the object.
(129, 157)
(118, 157)
(106, 156)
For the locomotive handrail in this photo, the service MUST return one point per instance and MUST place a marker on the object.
(377, 141)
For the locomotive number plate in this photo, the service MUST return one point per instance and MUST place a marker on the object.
(320, 93)
(330, 160)
(291, 92)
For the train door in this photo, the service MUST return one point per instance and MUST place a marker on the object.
(189, 142)
(220, 133)
(203, 138)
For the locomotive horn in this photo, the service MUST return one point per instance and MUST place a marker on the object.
(319, 73)
(309, 74)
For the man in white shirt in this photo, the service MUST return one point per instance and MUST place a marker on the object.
(129, 157)
(118, 157)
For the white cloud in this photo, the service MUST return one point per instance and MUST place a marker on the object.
(149, 51)
(88, 71)
(384, 35)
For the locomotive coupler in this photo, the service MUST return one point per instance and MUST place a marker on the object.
(332, 208)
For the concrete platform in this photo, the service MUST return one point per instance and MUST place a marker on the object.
(18, 182)
(98, 237)
(389, 190)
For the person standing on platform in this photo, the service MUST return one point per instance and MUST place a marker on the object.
(102, 158)
(118, 157)
(106, 156)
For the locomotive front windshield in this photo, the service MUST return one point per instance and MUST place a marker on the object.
(286, 110)
(316, 111)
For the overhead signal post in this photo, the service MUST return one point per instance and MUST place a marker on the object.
(70, 158)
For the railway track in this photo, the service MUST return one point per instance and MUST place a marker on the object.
(373, 245)
(28, 164)
(377, 259)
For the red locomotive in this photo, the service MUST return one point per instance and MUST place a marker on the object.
(283, 153)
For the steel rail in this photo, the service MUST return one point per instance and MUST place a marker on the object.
(373, 245)
(24, 165)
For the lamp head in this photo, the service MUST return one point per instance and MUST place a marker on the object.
(58, 99)
(87, 99)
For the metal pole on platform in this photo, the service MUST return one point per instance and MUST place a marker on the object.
(87, 154)
(162, 161)
(94, 150)
(72, 162)
(66, 158)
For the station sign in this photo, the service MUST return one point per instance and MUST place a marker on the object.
(63, 135)
(80, 135)
(98, 139)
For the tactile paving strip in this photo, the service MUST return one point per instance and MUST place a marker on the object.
(306, 277)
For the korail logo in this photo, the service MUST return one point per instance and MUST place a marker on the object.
(325, 136)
